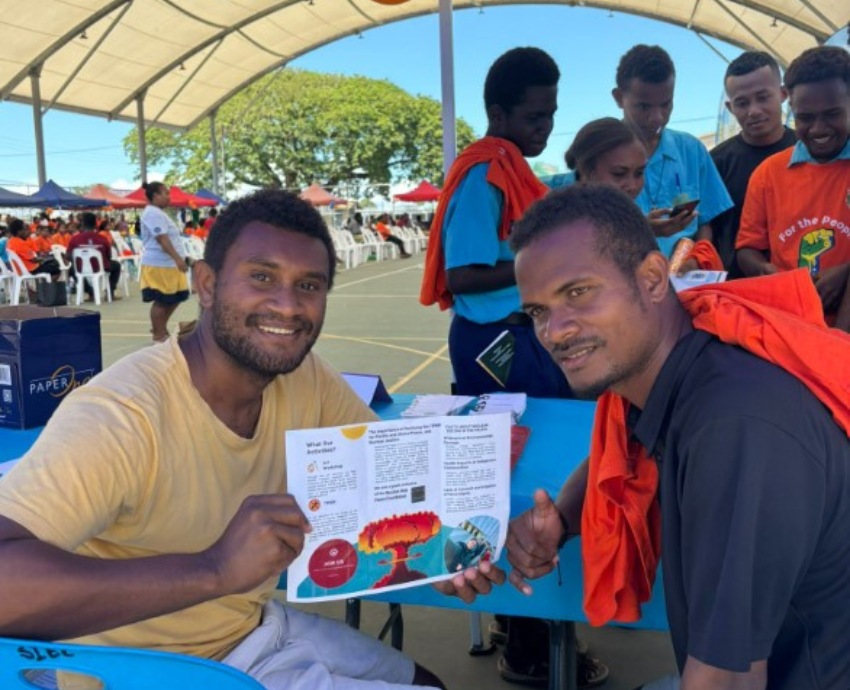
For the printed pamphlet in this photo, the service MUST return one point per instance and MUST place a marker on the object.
(397, 504)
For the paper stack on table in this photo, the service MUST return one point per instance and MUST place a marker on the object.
(462, 405)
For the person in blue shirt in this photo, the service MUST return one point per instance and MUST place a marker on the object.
(680, 168)
(520, 96)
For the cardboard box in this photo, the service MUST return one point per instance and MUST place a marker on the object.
(45, 353)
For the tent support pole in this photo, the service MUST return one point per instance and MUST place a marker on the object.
(140, 127)
(214, 147)
(447, 81)
(35, 81)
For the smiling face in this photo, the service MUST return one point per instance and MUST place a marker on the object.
(269, 299)
(623, 167)
(755, 100)
(600, 327)
(527, 124)
(646, 106)
(822, 117)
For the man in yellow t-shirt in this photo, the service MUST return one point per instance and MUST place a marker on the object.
(152, 511)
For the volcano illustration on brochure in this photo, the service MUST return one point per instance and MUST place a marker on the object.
(397, 504)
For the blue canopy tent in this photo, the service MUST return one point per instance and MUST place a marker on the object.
(207, 194)
(51, 194)
(9, 199)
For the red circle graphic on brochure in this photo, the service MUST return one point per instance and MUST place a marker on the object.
(333, 564)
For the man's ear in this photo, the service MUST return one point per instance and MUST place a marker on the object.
(728, 105)
(653, 275)
(784, 94)
(495, 116)
(203, 280)
(617, 93)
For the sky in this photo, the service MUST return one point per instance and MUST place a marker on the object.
(586, 43)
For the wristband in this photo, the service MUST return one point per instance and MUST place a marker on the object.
(565, 537)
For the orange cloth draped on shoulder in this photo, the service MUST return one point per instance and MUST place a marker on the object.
(509, 173)
(706, 256)
(778, 318)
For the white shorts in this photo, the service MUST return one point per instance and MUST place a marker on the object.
(294, 650)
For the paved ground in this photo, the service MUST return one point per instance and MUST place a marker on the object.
(375, 324)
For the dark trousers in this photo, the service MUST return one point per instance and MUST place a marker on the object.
(534, 373)
(397, 242)
(533, 370)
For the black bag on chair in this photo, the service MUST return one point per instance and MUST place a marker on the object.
(53, 294)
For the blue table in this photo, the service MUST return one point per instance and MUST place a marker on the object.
(559, 441)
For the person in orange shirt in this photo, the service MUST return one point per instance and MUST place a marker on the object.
(62, 235)
(18, 243)
(39, 241)
(796, 212)
(383, 229)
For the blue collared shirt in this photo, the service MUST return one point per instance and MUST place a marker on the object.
(681, 170)
(471, 237)
(801, 155)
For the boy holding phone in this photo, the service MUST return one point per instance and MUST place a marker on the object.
(680, 169)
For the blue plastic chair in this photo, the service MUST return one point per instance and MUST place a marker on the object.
(118, 668)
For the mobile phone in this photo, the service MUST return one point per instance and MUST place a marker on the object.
(687, 207)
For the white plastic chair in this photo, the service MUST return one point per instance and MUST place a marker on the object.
(125, 261)
(411, 246)
(22, 275)
(381, 247)
(88, 265)
(61, 256)
(346, 248)
(7, 280)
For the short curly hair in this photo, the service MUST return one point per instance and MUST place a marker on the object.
(749, 61)
(623, 233)
(650, 64)
(818, 64)
(516, 71)
(272, 206)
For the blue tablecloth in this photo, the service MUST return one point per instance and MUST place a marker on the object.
(559, 441)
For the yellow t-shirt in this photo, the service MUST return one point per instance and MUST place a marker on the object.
(136, 464)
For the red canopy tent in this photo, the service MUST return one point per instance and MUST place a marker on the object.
(424, 192)
(318, 196)
(100, 191)
(179, 198)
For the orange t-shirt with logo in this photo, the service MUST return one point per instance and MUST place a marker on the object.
(799, 214)
(61, 239)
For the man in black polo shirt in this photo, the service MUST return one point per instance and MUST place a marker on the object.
(753, 470)
(755, 96)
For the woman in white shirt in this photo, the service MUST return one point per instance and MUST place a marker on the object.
(163, 273)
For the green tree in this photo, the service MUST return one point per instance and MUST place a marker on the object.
(295, 127)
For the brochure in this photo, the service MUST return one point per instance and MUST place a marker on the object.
(399, 503)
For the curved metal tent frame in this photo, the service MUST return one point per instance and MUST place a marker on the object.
(179, 60)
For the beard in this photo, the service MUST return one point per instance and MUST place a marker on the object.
(231, 331)
(616, 374)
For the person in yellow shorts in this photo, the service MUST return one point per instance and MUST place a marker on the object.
(163, 274)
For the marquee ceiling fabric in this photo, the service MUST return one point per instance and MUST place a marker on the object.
(187, 57)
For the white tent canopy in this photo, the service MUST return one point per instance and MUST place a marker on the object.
(184, 58)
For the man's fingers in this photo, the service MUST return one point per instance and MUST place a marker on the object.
(518, 581)
(543, 505)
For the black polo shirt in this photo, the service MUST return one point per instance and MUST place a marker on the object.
(754, 484)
